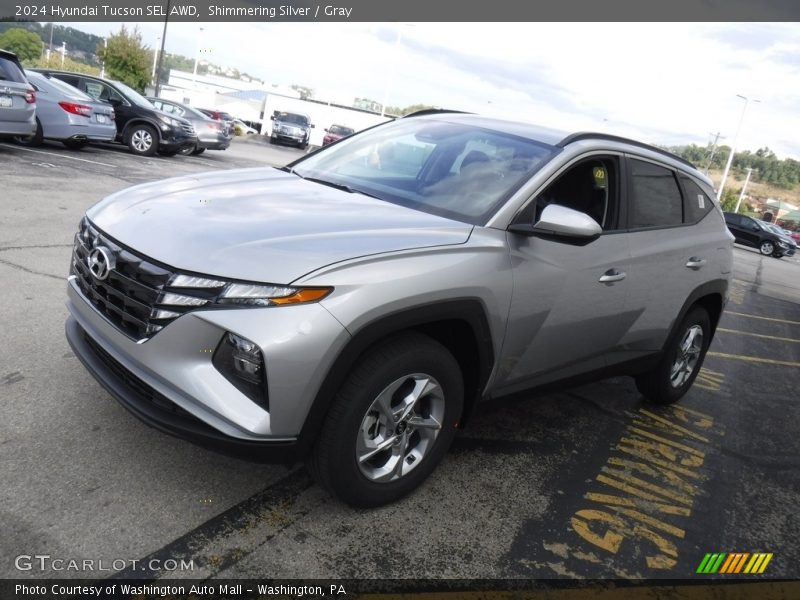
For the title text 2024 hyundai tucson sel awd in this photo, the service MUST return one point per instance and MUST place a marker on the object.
(353, 307)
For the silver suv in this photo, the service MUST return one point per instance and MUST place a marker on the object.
(353, 307)
(17, 99)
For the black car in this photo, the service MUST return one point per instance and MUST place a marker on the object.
(751, 232)
(140, 126)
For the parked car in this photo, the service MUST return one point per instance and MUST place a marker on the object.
(293, 128)
(353, 307)
(66, 114)
(336, 132)
(210, 133)
(242, 128)
(784, 235)
(17, 98)
(140, 126)
(796, 235)
(754, 233)
(225, 118)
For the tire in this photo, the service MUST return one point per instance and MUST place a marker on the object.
(355, 424)
(187, 150)
(665, 385)
(142, 140)
(198, 151)
(168, 152)
(75, 144)
(303, 146)
(272, 140)
(31, 140)
(766, 248)
(777, 255)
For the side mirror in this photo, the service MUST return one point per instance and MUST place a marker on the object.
(560, 221)
(272, 117)
(115, 102)
(326, 131)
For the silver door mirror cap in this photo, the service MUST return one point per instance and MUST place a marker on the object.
(560, 220)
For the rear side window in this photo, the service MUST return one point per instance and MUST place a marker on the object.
(9, 71)
(655, 197)
(696, 203)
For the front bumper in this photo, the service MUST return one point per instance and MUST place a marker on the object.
(175, 139)
(290, 137)
(170, 383)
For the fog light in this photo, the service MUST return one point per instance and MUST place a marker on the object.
(241, 362)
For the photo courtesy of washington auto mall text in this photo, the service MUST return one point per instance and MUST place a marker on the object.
(369, 299)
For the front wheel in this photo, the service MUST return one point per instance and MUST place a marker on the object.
(187, 150)
(681, 361)
(391, 423)
(198, 151)
(767, 248)
(143, 140)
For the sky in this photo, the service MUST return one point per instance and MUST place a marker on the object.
(664, 83)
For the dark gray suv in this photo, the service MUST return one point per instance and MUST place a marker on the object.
(353, 307)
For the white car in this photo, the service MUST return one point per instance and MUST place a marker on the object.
(244, 128)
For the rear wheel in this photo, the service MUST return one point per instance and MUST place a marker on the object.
(143, 140)
(767, 248)
(31, 140)
(681, 361)
(187, 150)
(391, 423)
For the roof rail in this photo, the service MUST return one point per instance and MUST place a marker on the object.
(588, 135)
(434, 111)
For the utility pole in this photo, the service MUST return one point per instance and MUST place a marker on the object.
(733, 146)
(161, 54)
(744, 187)
(103, 67)
(63, 53)
(717, 138)
(155, 58)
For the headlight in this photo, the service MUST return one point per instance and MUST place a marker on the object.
(170, 120)
(202, 291)
(782, 244)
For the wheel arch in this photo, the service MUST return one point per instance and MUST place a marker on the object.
(711, 296)
(460, 325)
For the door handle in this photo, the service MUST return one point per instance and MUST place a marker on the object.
(695, 263)
(612, 276)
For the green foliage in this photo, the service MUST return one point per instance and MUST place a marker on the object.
(767, 168)
(126, 59)
(69, 64)
(729, 199)
(25, 44)
(401, 112)
(77, 41)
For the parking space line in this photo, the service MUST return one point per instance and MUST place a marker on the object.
(755, 359)
(759, 335)
(738, 314)
(95, 162)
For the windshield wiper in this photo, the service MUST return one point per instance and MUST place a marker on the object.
(333, 184)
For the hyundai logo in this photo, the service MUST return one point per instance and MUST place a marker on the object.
(100, 262)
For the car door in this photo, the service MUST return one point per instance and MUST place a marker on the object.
(567, 310)
(670, 255)
(751, 232)
(103, 92)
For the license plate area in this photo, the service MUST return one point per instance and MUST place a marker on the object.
(6, 101)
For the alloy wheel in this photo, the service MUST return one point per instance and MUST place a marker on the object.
(687, 357)
(142, 140)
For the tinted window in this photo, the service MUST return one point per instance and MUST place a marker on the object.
(9, 71)
(733, 219)
(450, 169)
(696, 202)
(57, 86)
(655, 196)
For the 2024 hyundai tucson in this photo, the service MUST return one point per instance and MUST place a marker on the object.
(353, 307)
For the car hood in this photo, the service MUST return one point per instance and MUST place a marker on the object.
(262, 224)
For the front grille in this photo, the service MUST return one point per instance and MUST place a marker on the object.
(133, 383)
(129, 296)
(188, 129)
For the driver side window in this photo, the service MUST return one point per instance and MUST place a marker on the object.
(590, 186)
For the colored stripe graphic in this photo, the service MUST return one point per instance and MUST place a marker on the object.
(734, 562)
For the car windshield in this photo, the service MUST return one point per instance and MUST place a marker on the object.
(132, 95)
(291, 118)
(339, 130)
(453, 170)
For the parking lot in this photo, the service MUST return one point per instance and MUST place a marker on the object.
(585, 482)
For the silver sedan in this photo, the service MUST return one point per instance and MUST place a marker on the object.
(211, 134)
(66, 114)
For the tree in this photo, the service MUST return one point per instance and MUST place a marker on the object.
(126, 59)
(25, 44)
(69, 64)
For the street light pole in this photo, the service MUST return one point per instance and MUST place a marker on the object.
(717, 138)
(155, 58)
(744, 187)
(196, 56)
(733, 145)
(161, 53)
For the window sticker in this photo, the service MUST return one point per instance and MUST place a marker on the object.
(600, 179)
(701, 201)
